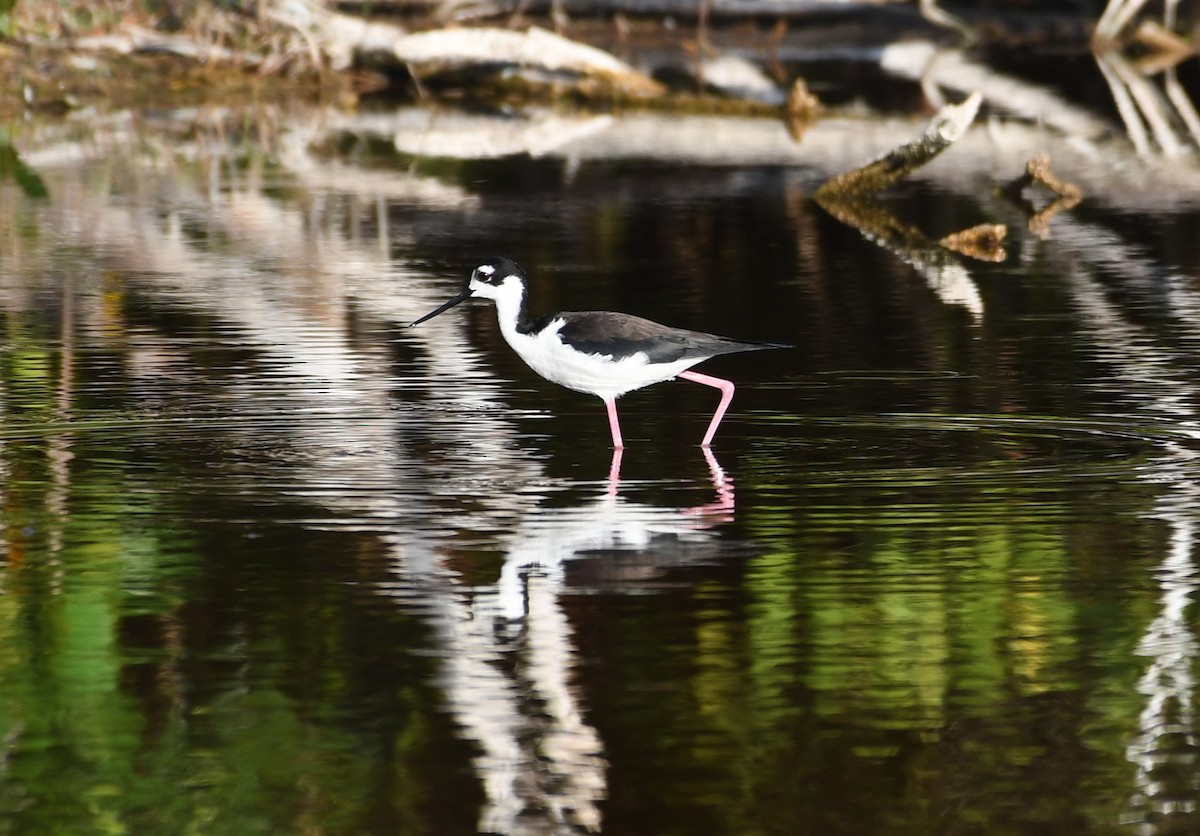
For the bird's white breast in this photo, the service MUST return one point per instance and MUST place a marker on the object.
(597, 374)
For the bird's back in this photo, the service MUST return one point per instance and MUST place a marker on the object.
(622, 335)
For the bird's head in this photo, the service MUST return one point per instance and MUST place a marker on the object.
(494, 278)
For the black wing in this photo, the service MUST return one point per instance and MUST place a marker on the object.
(621, 335)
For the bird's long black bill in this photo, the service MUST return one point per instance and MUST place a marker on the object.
(457, 300)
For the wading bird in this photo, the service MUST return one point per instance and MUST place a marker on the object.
(599, 352)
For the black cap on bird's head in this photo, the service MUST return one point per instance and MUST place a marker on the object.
(490, 273)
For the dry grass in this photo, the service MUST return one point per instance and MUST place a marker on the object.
(239, 27)
(46, 69)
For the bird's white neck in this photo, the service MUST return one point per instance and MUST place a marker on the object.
(510, 308)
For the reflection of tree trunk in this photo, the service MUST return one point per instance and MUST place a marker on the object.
(1164, 748)
(1156, 377)
(59, 449)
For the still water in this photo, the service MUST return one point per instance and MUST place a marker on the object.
(276, 563)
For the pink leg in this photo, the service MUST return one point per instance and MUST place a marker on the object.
(613, 424)
(726, 396)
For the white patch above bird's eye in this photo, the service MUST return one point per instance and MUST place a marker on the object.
(486, 269)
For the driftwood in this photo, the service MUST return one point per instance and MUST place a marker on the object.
(882, 10)
(737, 77)
(346, 40)
(129, 38)
(343, 39)
(536, 47)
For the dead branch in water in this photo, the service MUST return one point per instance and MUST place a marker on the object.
(1038, 173)
(947, 125)
(849, 198)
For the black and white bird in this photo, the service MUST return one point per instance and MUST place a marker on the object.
(599, 352)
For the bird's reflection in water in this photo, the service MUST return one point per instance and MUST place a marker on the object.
(509, 671)
(720, 510)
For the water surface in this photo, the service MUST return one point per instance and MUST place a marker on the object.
(275, 562)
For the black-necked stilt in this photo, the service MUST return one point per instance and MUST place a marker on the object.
(599, 352)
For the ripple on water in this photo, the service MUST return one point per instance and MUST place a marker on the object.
(968, 460)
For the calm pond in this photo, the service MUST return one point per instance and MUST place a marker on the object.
(275, 562)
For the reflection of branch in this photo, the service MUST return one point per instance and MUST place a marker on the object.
(1158, 48)
(848, 197)
(984, 242)
(1038, 173)
(1116, 15)
(1135, 95)
(1183, 104)
(1136, 98)
(940, 17)
(939, 69)
(801, 110)
(1166, 724)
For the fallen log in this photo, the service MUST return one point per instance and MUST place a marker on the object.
(443, 49)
